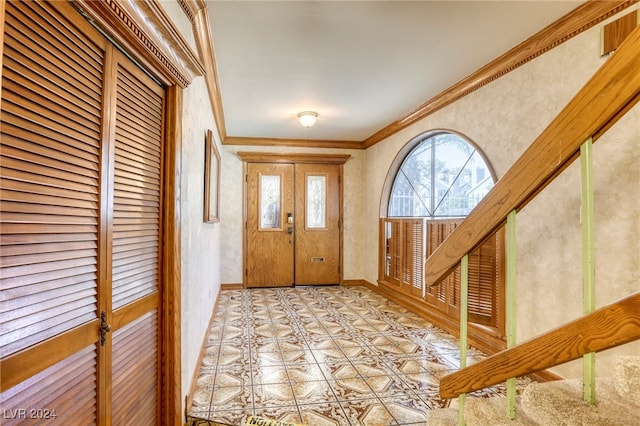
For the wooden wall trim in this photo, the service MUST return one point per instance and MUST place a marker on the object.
(199, 16)
(614, 33)
(486, 344)
(579, 20)
(302, 143)
(232, 286)
(145, 30)
(353, 283)
(203, 347)
(171, 267)
(269, 157)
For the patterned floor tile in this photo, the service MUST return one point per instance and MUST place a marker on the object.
(229, 417)
(334, 371)
(304, 373)
(269, 374)
(324, 414)
(406, 410)
(351, 389)
(231, 398)
(313, 392)
(334, 356)
(367, 412)
(273, 395)
(288, 414)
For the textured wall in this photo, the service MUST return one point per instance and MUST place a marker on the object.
(200, 241)
(504, 118)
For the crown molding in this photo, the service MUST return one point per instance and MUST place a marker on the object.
(575, 22)
(197, 12)
(270, 157)
(143, 28)
(303, 143)
(157, 38)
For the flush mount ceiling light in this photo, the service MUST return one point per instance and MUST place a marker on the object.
(307, 118)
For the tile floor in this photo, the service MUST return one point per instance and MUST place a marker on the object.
(321, 356)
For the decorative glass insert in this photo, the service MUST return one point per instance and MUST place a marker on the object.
(443, 176)
(316, 202)
(269, 202)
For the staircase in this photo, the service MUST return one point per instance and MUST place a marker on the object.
(612, 91)
(559, 403)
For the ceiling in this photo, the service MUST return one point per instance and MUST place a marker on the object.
(359, 64)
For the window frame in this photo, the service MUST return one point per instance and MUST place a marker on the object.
(403, 290)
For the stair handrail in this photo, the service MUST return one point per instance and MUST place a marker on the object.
(607, 96)
(610, 326)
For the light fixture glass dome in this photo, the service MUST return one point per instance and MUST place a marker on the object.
(307, 118)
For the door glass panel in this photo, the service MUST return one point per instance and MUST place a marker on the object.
(316, 202)
(269, 202)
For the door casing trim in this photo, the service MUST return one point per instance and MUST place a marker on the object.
(291, 158)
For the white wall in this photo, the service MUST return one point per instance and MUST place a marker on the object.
(504, 118)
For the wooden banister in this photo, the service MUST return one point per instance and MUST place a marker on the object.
(605, 328)
(613, 88)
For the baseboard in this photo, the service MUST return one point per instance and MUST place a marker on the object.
(540, 376)
(351, 283)
(233, 286)
(194, 375)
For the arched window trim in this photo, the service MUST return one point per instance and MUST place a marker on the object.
(400, 157)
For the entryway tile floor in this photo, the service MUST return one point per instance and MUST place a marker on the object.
(322, 356)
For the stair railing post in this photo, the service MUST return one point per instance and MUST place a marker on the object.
(464, 317)
(587, 213)
(510, 314)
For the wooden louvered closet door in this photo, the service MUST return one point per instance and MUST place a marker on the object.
(136, 245)
(81, 185)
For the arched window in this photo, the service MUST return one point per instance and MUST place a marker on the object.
(434, 183)
(442, 176)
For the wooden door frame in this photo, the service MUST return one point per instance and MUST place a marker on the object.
(293, 158)
(170, 335)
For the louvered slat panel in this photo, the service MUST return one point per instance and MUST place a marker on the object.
(406, 253)
(65, 392)
(136, 218)
(135, 370)
(396, 250)
(483, 283)
(50, 129)
(417, 256)
(53, 54)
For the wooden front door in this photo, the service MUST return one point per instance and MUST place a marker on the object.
(317, 230)
(293, 224)
(82, 210)
(270, 245)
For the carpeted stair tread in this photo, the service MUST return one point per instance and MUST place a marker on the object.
(443, 417)
(478, 411)
(493, 411)
(627, 378)
(561, 403)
